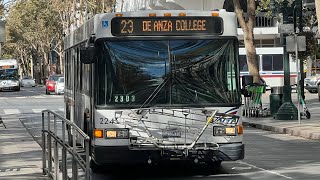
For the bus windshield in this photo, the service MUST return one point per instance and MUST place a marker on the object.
(140, 73)
(8, 74)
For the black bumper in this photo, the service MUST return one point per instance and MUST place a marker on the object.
(123, 155)
(9, 88)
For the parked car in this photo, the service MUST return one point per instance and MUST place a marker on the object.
(51, 83)
(311, 83)
(28, 81)
(59, 89)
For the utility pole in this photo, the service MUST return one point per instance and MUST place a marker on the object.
(299, 6)
(287, 111)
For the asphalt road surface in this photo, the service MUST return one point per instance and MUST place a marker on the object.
(268, 156)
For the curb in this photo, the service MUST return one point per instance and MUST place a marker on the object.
(285, 130)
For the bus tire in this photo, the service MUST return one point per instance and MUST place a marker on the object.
(308, 115)
(70, 137)
(87, 128)
(94, 166)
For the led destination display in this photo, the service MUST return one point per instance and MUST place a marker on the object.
(168, 26)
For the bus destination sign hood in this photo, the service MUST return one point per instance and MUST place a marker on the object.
(166, 26)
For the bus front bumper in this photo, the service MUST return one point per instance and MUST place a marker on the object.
(123, 155)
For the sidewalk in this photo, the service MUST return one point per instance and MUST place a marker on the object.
(309, 128)
(20, 155)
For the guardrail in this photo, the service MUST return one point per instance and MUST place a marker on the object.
(61, 142)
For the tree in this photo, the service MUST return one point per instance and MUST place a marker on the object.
(247, 28)
(32, 26)
(317, 4)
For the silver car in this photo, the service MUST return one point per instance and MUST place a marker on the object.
(311, 83)
(59, 87)
(27, 81)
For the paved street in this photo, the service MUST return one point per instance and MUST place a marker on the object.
(268, 155)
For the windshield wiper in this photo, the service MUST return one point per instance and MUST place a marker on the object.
(155, 92)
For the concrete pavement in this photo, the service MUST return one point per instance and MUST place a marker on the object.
(309, 128)
(20, 155)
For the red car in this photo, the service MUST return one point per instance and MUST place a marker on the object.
(51, 82)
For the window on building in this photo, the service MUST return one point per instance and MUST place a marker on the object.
(268, 42)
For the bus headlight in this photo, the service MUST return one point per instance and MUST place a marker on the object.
(224, 131)
(117, 133)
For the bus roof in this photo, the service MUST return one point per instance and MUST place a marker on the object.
(100, 24)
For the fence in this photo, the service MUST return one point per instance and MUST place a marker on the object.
(59, 140)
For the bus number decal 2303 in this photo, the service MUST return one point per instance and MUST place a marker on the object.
(124, 98)
(127, 26)
(108, 121)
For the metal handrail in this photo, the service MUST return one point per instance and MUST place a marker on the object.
(77, 160)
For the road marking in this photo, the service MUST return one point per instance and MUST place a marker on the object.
(37, 110)
(11, 111)
(241, 168)
(39, 97)
(22, 97)
(61, 109)
(272, 172)
(32, 92)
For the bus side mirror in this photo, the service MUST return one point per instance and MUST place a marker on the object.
(88, 55)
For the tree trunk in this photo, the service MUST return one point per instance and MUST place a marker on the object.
(317, 4)
(61, 58)
(247, 28)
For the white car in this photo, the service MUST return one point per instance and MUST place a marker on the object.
(27, 81)
(59, 87)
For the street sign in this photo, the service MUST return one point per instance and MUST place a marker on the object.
(291, 46)
(286, 28)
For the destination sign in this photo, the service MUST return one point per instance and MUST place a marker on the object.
(167, 26)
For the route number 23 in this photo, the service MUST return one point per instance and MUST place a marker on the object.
(127, 26)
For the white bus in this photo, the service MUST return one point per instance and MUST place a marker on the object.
(156, 85)
(270, 61)
(9, 78)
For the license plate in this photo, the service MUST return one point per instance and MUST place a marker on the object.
(171, 133)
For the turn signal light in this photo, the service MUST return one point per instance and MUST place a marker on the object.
(215, 14)
(98, 133)
(240, 129)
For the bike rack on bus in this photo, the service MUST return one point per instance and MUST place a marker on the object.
(60, 142)
(139, 116)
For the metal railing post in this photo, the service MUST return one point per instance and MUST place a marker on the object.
(74, 149)
(49, 146)
(44, 163)
(55, 149)
(64, 153)
(87, 142)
